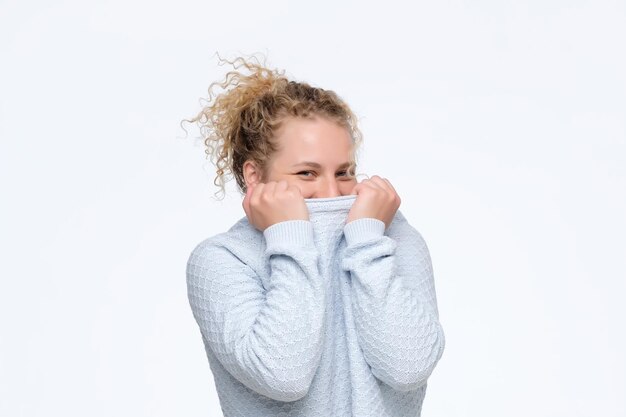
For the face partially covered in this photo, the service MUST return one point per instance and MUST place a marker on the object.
(315, 156)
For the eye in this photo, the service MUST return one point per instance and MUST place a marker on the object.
(347, 175)
(344, 173)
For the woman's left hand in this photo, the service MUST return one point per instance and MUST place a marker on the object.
(376, 198)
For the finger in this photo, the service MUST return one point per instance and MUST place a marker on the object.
(365, 175)
(390, 186)
(246, 200)
(376, 182)
(384, 182)
(296, 189)
(256, 192)
(270, 188)
(281, 186)
(356, 189)
(248, 193)
(243, 202)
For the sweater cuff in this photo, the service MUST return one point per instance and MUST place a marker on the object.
(290, 232)
(362, 229)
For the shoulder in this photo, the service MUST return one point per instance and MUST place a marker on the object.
(240, 243)
(405, 233)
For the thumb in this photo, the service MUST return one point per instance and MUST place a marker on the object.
(246, 200)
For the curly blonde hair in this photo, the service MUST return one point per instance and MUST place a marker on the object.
(240, 123)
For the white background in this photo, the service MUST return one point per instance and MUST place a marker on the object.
(501, 125)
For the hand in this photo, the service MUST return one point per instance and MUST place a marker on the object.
(268, 203)
(376, 198)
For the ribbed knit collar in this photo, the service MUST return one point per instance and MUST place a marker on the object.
(326, 204)
(328, 217)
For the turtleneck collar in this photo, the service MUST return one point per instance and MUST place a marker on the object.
(325, 204)
(328, 216)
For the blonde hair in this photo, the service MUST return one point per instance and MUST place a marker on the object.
(241, 121)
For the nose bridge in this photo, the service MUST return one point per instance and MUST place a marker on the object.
(330, 187)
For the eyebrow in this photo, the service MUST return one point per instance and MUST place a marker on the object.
(318, 166)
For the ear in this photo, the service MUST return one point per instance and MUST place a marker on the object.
(251, 173)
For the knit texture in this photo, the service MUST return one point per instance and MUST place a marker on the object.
(317, 317)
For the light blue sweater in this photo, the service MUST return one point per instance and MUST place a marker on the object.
(318, 317)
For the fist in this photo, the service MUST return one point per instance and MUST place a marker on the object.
(268, 203)
(376, 198)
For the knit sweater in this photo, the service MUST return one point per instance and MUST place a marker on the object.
(318, 317)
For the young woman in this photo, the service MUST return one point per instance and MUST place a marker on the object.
(321, 300)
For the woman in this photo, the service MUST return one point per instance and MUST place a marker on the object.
(321, 300)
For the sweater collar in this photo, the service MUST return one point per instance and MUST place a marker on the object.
(328, 217)
(330, 203)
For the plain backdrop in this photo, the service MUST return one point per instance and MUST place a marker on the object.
(500, 124)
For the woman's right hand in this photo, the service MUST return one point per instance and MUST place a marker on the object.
(275, 201)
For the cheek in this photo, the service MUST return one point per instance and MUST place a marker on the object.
(348, 185)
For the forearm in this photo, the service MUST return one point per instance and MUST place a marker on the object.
(270, 339)
(397, 325)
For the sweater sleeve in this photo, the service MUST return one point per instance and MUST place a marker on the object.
(269, 339)
(394, 302)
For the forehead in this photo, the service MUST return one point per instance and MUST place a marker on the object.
(317, 137)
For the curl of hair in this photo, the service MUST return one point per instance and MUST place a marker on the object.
(240, 123)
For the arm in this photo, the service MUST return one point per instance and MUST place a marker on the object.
(394, 302)
(268, 339)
